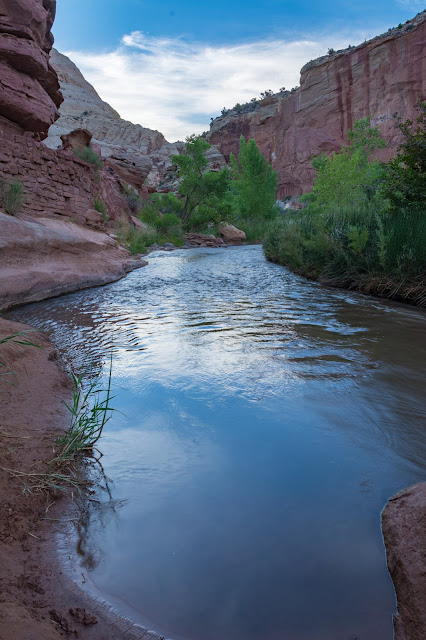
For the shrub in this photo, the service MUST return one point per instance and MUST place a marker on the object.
(100, 206)
(137, 239)
(88, 155)
(132, 198)
(354, 247)
(349, 177)
(405, 176)
(13, 196)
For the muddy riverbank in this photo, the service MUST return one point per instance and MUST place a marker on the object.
(38, 599)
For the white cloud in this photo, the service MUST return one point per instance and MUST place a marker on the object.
(175, 86)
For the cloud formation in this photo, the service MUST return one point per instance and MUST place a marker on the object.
(175, 86)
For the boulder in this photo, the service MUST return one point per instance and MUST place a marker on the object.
(230, 234)
(138, 223)
(47, 257)
(404, 532)
(202, 240)
(78, 140)
(94, 219)
(133, 169)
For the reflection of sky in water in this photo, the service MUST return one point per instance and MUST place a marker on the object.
(264, 422)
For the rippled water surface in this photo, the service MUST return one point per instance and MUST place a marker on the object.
(265, 422)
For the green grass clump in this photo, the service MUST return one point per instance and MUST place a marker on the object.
(138, 239)
(101, 207)
(90, 410)
(88, 155)
(13, 196)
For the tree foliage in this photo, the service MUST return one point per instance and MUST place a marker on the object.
(199, 186)
(405, 179)
(349, 177)
(255, 182)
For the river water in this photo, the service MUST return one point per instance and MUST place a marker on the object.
(264, 422)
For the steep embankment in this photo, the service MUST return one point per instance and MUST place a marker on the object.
(378, 78)
(37, 599)
(47, 248)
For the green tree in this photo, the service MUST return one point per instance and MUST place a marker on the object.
(405, 178)
(255, 182)
(349, 177)
(198, 185)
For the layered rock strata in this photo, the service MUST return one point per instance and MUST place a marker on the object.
(381, 77)
(29, 88)
(43, 258)
(56, 183)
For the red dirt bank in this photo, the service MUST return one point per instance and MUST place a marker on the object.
(35, 596)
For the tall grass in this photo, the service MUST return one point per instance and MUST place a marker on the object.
(138, 239)
(359, 247)
(90, 410)
(256, 229)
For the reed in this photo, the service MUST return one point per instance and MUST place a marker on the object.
(362, 247)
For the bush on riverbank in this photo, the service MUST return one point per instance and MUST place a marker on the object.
(357, 248)
(351, 235)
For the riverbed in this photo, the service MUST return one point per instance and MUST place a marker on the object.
(262, 423)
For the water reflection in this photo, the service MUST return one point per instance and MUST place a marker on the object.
(266, 421)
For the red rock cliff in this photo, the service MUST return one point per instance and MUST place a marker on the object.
(29, 87)
(381, 77)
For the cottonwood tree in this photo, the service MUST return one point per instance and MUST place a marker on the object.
(255, 182)
(199, 186)
(349, 177)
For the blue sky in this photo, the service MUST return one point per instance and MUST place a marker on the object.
(171, 66)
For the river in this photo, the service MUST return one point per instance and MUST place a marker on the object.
(262, 423)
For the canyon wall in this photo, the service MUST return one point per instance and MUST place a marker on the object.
(29, 87)
(381, 77)
(42, 251)
(141, 155)
(55, 183)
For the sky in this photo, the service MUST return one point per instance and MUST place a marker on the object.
(173, 66)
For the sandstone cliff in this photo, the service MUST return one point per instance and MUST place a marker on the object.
(376, 79)
(138, 153)
(52, 254)
(29, 88)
